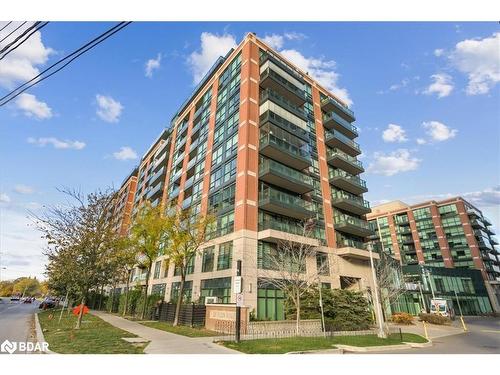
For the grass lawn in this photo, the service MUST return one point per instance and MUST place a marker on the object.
(293, 344)
(181, 330)
(94, 337)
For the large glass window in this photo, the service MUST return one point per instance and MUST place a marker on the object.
(187, 292)
(207, 264)
(220, 287)
(225, 255)
(270, 302)
(157, 270)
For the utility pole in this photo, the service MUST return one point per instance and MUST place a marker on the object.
(461, 315)
(422, 296)
(378, 307)
(321, 308)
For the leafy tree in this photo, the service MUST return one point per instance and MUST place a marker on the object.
(27, 286)
(80, 240)
(148, 233)
(344, 310)
(6, 288)
(187, 233)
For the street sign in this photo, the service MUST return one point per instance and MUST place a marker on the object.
(239, 300)
(237, 284)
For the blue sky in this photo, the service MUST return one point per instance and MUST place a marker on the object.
(425, 95)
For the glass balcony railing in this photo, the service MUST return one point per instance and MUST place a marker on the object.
(348, 242)
(332, 135)
(155, 190)
(332, 116)
(270, 139)
(298, 94)
(351, 178)
(338, 195)
(268, 94)
(157, 175)
(334, 152)
(269, 194)
(330, 103)
(188, 182)
(268, 165)
(346, 219)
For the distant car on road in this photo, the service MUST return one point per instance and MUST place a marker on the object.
(28, 300)
(15, 297)
(47, 303)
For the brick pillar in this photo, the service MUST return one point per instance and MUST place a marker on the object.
(416, 239)
(210, 142)
(443, 242)
(394, 237)
(246, 196)
(471, 239)
(170, 160)
(323, 170)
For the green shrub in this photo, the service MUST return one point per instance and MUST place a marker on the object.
(344, 310)
(434, 319)
(402, 318)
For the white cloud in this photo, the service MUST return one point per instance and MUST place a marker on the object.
(32, 107)
(393, 163)
(57, 143)
(442, 85)
(152, 64)
(421, 141)
(125, 153)
(438, 131)
(394, 133)
(479, 59)
(275, 41)
(404, 82)
(438, 52)
(212, 47)
(109, 109)
(484, 198)
(21, 64)
(4, 198)
(320, 69)
(24, 189)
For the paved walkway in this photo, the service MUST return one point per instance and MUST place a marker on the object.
(162, 342)
(434, 331)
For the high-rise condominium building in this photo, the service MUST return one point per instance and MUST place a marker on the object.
(451, 233)
(265, 147)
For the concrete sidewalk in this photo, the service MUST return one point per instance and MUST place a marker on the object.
(434, 331)
(162, 342)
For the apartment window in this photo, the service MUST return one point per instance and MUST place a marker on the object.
(322, 264)
(158, 289)
(207, 264)
(223, 198)
(225, 255)
(270, 302)
(422, 213)
(156, 274)
(187, 292)
(217, 155)
(189, 268)
(220, 288)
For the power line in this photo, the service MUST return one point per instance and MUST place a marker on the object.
(8, 23)
(72, 56)
(12, 32)
(24, 40)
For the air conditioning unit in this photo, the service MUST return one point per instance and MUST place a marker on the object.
(211, 300)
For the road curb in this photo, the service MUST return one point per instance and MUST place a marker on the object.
(364, 349)
(319, 351)
(39, 335)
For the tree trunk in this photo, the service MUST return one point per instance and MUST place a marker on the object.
(80, 315)
(125, 308)
(100, 297)
(112, 295)
(297, 304)
(179, 299)
(143, 313)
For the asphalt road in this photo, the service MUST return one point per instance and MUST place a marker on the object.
(16, 320)
(483, 337)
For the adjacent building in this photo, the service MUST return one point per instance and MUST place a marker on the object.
(451, 234)
(264, 146)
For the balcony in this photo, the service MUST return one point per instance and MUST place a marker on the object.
(282, 102)
(273, 80)
(333, 121)
(350, 202)
(157, 189)
(174, 193)
(484, 244)
(346, 181)
(493, 240)
(339, 159)
(281, 203)
(352, 225)
(274, 120)
(284, 151)
(288, 178)
(489, 256)
(157, 175)
(187, 202)
(330, 104)
(336, 139)
(487, 221)
(477, 224)
(355, 253)
(188, 183)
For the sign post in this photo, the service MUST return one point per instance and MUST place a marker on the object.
(239, 300)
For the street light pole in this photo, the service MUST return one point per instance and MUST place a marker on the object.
(378, 307)
(428, 274)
